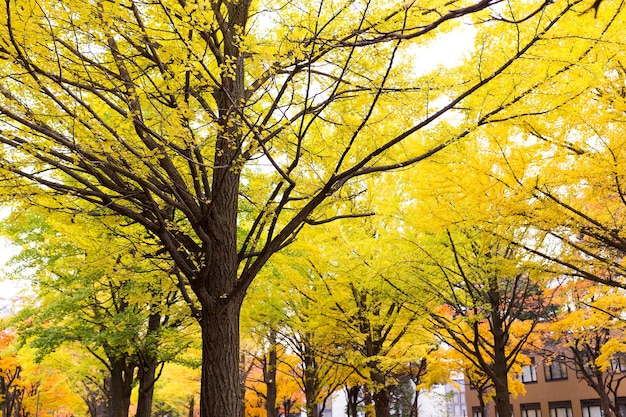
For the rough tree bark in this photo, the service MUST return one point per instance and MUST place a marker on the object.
(500, 362)
(120, 386)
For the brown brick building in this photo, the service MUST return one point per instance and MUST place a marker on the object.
(552, 390)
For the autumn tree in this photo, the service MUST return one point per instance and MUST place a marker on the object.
(179, 116)
(27, 388)
(178, 386)
(577, 208)
(354, 306)
(12, 389)
(579, 205)
(91, 289)
(285, 388)
(262, 319)
(563, 170)
(485, 301)
(260, 373)
(282, 311)
(588, 336)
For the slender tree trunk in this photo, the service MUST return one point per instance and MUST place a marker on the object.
(352, 395)
(368, 402)
(119, 390)
(415, 405)
(481, 402)
(502, 400)
(18, 405)
(500, 368)
(147, 378)
(269, 376)
(148, 367)
(312, 408)
(382, 402)
(192, 407)
(96, 399)
(382, 399)
(605, 405)
(311, 381)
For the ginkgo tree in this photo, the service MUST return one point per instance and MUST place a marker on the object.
(281, 314)
(563, 171)
(223, 128)
(351, 303)
(483, 295)
(588, 336)
(579, 199)
(484, 301)
(92, 290)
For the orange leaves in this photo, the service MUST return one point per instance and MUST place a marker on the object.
(26, 384)
(288, 391)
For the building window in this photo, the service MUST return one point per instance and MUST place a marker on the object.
(529, 372)
(591, 408)
(477, 412)
(555, 370)
(530, 410)
(618, 362)
(560, 409)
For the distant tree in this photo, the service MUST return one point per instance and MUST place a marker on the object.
(353, 400)
(27, 387)
(484, 302)
(356, 311)
(93, 288)
(588, 335)
(282, 312)
(402, 395)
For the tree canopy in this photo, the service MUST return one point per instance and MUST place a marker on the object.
(217, 131)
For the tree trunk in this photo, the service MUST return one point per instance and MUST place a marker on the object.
(352, 398)
(482, 404)
(415, 405)
(220, 393)
(500, 367)
(367, 402)
(311, 381)
(119, 390)
(269, 376)
(147, 378)
(502, 400)
(95, 400)
(148, 366)
(312, 409)
(192, 407)
(381, 402)
(287, 403)
(605, 405)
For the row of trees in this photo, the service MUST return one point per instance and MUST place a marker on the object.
(314, 329)
(164, 159)
(358, 319)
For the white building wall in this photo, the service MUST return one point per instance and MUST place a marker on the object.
(441, 401)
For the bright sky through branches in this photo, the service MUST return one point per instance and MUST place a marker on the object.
(448, 50)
